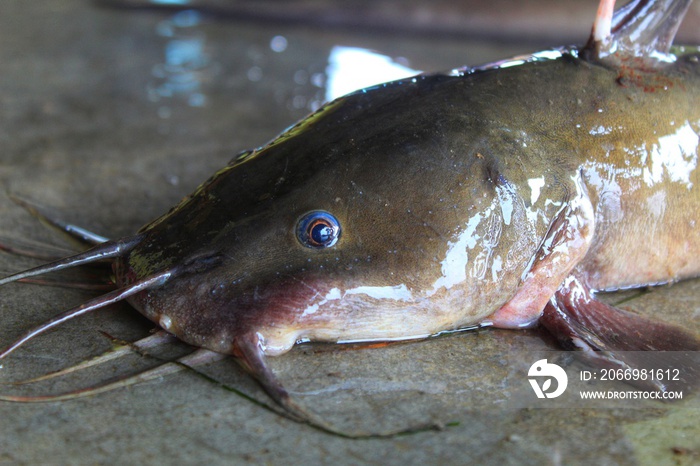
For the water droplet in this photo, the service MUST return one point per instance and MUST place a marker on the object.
(301, 77)
(255, 74)
(298, 102)
(278, 44)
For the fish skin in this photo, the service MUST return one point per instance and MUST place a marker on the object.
(502, 195)
(432, 181)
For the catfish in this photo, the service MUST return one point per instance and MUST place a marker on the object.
(505, 195)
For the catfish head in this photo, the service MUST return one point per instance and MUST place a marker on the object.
(380, 217)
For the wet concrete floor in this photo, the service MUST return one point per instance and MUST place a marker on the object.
(109, 117)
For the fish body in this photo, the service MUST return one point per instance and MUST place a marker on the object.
(445, 187)
(504, 195)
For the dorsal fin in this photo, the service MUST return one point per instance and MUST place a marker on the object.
(642, 30)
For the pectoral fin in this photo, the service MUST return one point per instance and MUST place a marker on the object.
(565, 244)
(613, 338)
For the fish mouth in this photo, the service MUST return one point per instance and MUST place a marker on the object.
(209, 306)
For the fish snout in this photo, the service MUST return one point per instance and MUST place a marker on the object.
(211, 305)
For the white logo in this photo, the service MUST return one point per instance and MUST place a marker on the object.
(552, 371)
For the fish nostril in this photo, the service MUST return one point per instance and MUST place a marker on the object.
(202, 263)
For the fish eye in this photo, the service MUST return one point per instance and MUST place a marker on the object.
(318, 230)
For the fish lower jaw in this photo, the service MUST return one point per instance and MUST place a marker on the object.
(497, 322)
(279, 345)
(275, 342)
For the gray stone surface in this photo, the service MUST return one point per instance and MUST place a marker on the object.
(99, 124)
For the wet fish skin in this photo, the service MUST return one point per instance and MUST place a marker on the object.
(503, 195)
(405, 168)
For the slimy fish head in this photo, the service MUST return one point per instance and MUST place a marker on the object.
(325, 235)
(389, 214)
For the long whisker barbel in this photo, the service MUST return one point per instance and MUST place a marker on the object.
(120, 294)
